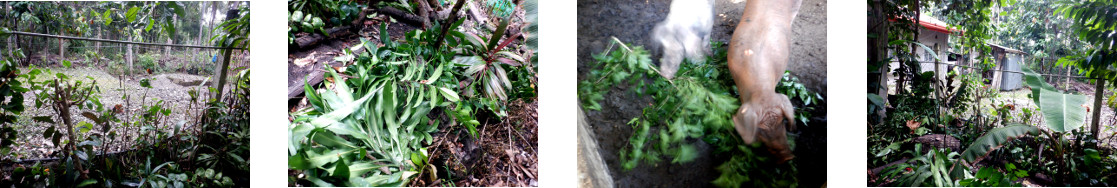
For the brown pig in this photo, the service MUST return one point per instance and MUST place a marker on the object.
(758, 55)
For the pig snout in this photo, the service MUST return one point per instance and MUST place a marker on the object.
(758, 55)
(685, 33)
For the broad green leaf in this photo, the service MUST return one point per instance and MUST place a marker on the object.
(339, 113)
(686, 153)
(341, 170)
(432, 94)
(1062, 112)
(131, 14)
(343, 90)
(512, 56)
(312, 97)
(87, 182)
(390, 116)
(150, 23)
(296, 16)
(44, 119)
(495, 38)
(318, 159)
(1035, 82)
(449, 94)
(434, 76)
(107, 17)
(66, 63)
(297, 162)
(384, 35)
(331, 140)
(995, 139)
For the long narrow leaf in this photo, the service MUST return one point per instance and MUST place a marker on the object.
(995, 139)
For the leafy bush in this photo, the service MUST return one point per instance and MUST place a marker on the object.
(12, 90)
(149, 62)
(790, 86)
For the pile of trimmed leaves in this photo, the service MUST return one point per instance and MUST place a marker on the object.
(370, 126)
(697, 105)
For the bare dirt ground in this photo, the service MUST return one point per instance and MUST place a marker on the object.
(631, 21)
(171, 88)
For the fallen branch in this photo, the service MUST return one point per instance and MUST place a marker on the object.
(403, 16)
(312, 78)
(314, 38)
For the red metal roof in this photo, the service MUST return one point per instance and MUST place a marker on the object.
(936, 25)
(933, 24)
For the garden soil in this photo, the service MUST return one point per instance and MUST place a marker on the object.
(171, 88)
(631, 21)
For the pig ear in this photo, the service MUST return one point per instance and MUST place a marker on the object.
(788, 111)
(745, 122)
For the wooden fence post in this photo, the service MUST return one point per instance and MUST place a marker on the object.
(233, 13)
(129, 57)
(1099, 90)
(61, 49)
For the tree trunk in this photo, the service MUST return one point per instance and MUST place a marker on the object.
(201, 25)
(878, 52)
(212, 23)
(170, 36)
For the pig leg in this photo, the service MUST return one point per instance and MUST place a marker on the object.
(673, 50)
(758, 55)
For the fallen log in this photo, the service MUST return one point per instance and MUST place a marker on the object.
(314, 38)
(315, 77)
(402, 16)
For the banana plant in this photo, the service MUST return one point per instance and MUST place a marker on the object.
(1063, 112)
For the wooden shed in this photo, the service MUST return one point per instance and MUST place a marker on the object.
(1006, 59)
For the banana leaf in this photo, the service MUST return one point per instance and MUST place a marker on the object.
(1063, 112)
(1034, 81)
(995, 139)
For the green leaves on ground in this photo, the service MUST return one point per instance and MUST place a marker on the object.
(697, 104)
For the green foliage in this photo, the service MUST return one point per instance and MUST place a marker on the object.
(149, 61)
(1062, 112)
(790, 86)
(697, 104)
(746, 170)
(990, 177)
(487, 60)
(381, 113)
(237, 31)
(311, 16)
(13, 90)
(934, 168)
(994, 139)
(501, 8)
(1095, 23)
(303, 23)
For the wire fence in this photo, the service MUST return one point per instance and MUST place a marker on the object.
(221, 72)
